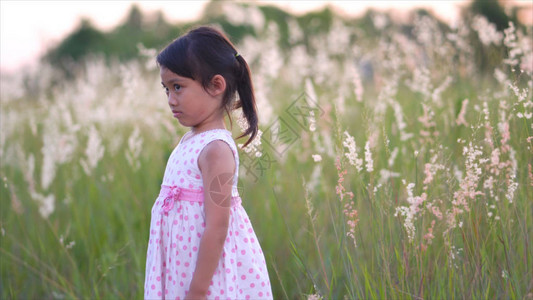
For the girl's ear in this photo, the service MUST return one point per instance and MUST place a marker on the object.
(217, 85)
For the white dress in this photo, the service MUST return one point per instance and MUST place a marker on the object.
(178, 222)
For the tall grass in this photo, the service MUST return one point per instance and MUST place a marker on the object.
(411, 178)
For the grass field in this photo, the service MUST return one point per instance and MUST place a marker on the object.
(388, 168)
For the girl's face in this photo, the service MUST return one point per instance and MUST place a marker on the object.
(190, 103)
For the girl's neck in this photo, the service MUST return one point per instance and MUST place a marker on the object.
(214, 121)
(215, 125)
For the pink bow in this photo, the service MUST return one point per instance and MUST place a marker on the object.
(172, 195)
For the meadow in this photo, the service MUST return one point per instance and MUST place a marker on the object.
(390, 164)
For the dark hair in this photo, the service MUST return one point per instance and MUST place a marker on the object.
(205, 52)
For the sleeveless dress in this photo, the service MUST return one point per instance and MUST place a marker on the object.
(177, 224)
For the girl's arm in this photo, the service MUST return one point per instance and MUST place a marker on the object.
(217, 164)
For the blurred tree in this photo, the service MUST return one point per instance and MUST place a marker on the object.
(493, 11)
(84, 40)
(120, 43)
(135, 18)
(488, 56)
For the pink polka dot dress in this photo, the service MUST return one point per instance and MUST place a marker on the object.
(178, 221)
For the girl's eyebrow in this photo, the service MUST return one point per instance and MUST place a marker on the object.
(178, 80)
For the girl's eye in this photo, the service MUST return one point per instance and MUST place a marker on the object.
(177, 87)
(166, 89)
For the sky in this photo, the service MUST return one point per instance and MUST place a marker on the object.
(27, 28)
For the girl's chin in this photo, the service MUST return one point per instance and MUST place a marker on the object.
(182, 122)
(185, 123)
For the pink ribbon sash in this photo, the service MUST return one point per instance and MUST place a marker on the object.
(172, 194)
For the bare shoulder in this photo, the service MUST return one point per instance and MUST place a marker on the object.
(217, 154)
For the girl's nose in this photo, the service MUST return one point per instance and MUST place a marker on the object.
(172, 100)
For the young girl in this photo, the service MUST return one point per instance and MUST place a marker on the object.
(202, 244)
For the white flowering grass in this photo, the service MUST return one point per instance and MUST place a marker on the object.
(135, 143)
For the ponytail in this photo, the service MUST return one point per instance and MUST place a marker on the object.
(245, 90)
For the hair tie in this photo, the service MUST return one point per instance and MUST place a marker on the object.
(237, 54)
